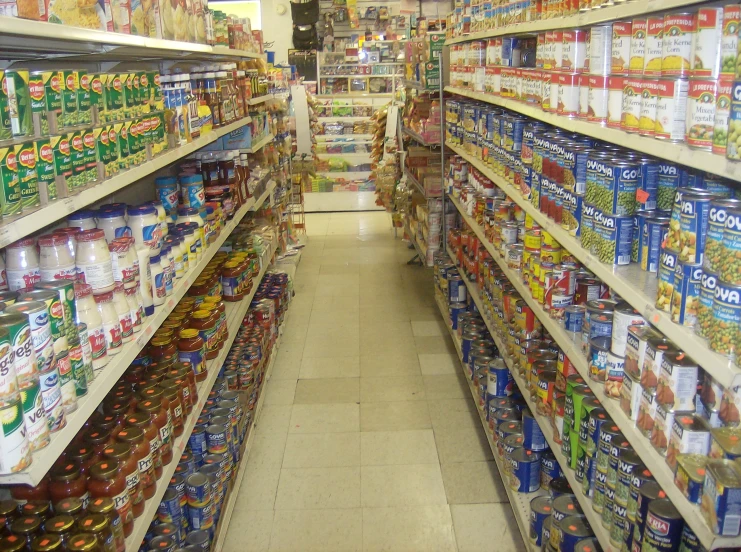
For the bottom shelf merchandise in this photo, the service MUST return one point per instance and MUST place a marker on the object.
(324, 184)
(613, 488)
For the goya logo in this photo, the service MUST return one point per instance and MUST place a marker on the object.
(46, 154)
(709, 281)
(727, 295)
(11, 161)
(36, 89)
(688, 207)
(668, 169)
(717, 215)
(629, 174)
(668, 259)
(696, 274)
(733, 222)
(27, 158)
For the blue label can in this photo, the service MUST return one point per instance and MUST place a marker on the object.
(687, 282)
(550, 469)
(693, 225)
(726, 326)
(731, 248)
(201, 517)
(197, 441)
(648, 182)
(533, 438)
(667, 266)
(499, 381)
(615, 235)
(197, 490)
(653, 233)
(671, 177)
(525, 477)
(541, 508)
(572, 529)
(169, 510)
(217, 438)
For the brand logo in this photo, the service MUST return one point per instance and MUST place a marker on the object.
(668, 259)
(46, 154)
(77, 143)
(726, 295)
(27, 158)
(64, 147)
(42, 319)
(36, 89)
(85, 82)
(11, 162)
(97, 86)
(7, 355)
(657, 525)
(69, 82)
(50, 380)
(668, 169)
(708, 281)
(88, 140)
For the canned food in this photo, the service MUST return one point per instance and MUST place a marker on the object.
(690, 476)
(630, 397)
(671, 109)
(540, 509)
(667, 265)
(663, 525)
(654, 46)
(690, 435)
(707, 51)
(722, 116)
(525, 476)
(15, 450)
(677, 44)
(701, 103)
(725, 331)
(722, 497)
(638, 46)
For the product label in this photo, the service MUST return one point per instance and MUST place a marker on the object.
(98, 275)
(97, 342)
(126, 323)
(112, 334)
(195, 358)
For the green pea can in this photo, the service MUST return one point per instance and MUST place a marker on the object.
(10, 195)
(91, 162)
(5, 131)
(84, 102)
(45, 174)
(97, 99)
(65, 289)
(26, 157)
(19, 103)
(34, 416)
(78, 367)
(8, 381)
(67, 382)
(54, 307)
(21, 340)
(62, 159)
(15, 451)
(114, 97)
(77, 154)
(87, 352)
(726, 335)
(70, 83)
(102, 150)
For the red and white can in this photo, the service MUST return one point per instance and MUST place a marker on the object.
(706, 46)
(553, 104)
(574, 50)
(583, 96)
(540, 51)
(494, 51)
(632, 89)
(676, 54)
(671, 110)
(545, 103)
(600, 49)
(638, 46)
(597, 112)
(729, 40)
(622, 31)
(722, 115)
(654, 46)
(615, 87)
(701, 101)
(647, 118)
(568, 94)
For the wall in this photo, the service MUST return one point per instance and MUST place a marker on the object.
(277, 29)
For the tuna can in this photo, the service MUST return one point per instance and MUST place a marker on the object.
(690, 476)
(525, 477)
(533, 438)
(217, 438)
(541, 508)
(690, 435)
(15, 451)
(572, 529)
(721, 497)
(652, 236)
(663, 526)
(197, 490)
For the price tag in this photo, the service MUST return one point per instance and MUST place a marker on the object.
(652, 315)
(642, 196)
(70, 205)
(141, 340)
(7, 234)
(171, 303)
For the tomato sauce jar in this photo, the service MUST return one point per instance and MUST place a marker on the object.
(141, 452)
(128, 465)
(107, 480)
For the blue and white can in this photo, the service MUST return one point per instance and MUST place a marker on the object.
(525, 476)
(533, 438)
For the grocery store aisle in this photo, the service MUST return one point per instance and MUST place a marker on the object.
(369, 439)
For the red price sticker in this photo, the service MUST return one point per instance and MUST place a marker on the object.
(642, 196)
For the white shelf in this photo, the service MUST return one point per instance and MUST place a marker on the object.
(519, 502)
(15, 228)
(235, 314)
(595, 519)
(659, 469)
(623, 10)
(413, 238)
(260, 200)
(676, 152)
(227, 508)
(108, 377)
(261, 99)
(257, 146)
(636, 286)
(418, 138)
(37, 39)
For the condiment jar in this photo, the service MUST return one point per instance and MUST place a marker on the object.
(111, 324)
(83, 454)
(155, 408)
(41, 510)
(56, 262)
(124, 313)
(113, 222)
(159, 289)
(142, 420)
(94, 261)
(22, 265)
(62, 526)
(98, 525)
(106, 507)
(129, 466)
(84, 542)
(84, 219)
(135, 307)
(13, 543)
(192, 348)
(205, 322)
(124, 262)
(145, 227)
(8, 512)
(141, 450)
(27, 528)
(106, 480)
(173, 393)
(89, 314)
(47, 543)
(67, 481)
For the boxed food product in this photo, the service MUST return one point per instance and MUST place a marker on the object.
(88, 14)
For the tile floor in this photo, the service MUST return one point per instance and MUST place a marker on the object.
(368, 439)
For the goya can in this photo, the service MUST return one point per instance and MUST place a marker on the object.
(714, 237)
(725, 331)
(667, 266)
(541, 508)
(15, 451)
(687, 282)
(525, 476)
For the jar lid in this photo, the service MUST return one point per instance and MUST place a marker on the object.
(104, 470)
(68, 231)
(165, 181)
(141, 210)
(93, 523)
(160, 342)
(68, 471)
(97, 436)
(51, 240)
(25, 242)
(69, 506)
(189, 333)
(201, 314)
(12, 543)
(91, 235)
(118, 287)
(191, 179)
(62, 522)
(82, 214)
(110, 212)
(137, 419)
(35, 508)
(118, 451)
(83, 542)
(103, 297)
(80, 452)
(150, 405)
(82, 290)
(102, 504)
(131, 433)
(25, 524)
(151, 392)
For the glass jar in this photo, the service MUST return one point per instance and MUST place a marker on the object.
(111, 325)
(135, 308)
(67, 481)
(174, 394)
(141, 451)
(62, 526)
(192, 348)
(27, 528)
(22, 265)
(159, 289)
(47, 543)
(84, 542)
(220, 326)
(123, 261)
(106, 479)
(167, 260)
(105, 506)
(71, 508)
(142, 420)
(55, 260)
(98, 438)
(145, 280)
(94, 261)
(8, 512)
(161, 346)
(123, 312)
(159, 417)
(41, 510)
(82, 453)
(145, 228)
(113, 223)
(24, 493)
(129, 466)
(84, 219)
(205, 322)
(98, 525)
(231, 282)
(12, 543)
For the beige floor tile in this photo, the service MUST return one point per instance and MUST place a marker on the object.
(290, 350)
(380, 330)
(378, 313)
(402, 485)
(316, 488)
(473, 483)
(427, 528)
(322, 450)
(403, 388)
(435, 345)
(387, 365)
(332, 304)
(436, 365)
(287, 367)
(382, 448)
(258, 488)
(393, 416)
(463, 444)
(330, 367)
(317, 531)
(331, 347)
(327, 391)
(274, 418)
(480, 527)
(424, 313)
(249, 531)
(325, 418)
(330, 319)
(340, 332)
(445, 387)
(267, 449)
(454, 413)
(280, 391)
(429, 328)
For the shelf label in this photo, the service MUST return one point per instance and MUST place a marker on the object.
(70, 205)
(7, 234)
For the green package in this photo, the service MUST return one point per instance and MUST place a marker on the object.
(25, 154)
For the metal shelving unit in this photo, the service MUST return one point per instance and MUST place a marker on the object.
(417, 138)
